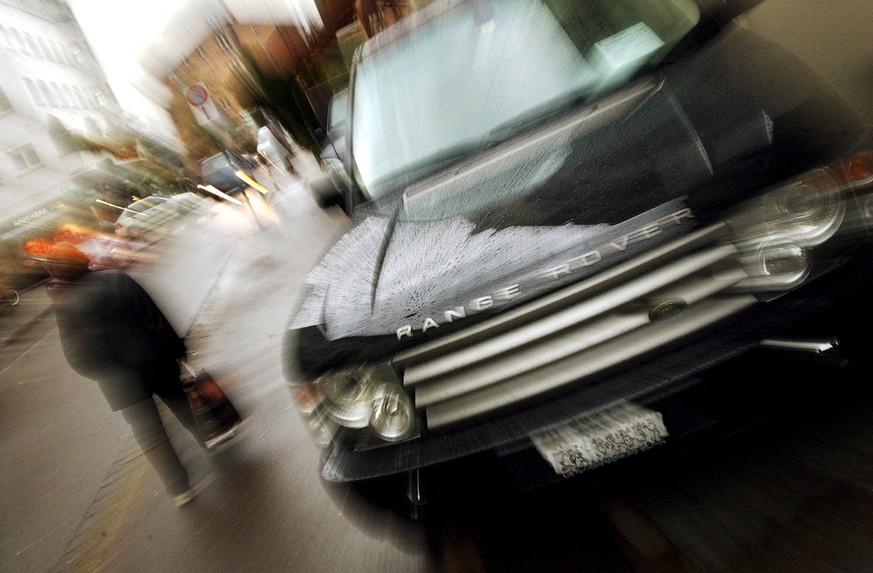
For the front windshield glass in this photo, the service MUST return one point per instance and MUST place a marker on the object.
(441, 91)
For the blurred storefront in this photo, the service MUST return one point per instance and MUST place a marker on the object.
(31, 235)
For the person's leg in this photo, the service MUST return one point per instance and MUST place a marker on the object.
(179, 406)
(148, 429)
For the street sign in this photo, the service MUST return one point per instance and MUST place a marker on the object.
(196, 94)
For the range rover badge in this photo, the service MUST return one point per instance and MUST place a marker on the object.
(667, 309)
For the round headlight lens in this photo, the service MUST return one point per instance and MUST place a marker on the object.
(392, 416)
(776, 265)
(809, 211)
(347, 397)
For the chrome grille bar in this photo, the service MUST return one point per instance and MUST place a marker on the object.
(574, 341)
(531, 333)
(583, 364)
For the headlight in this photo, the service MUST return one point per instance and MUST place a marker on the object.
(806, 212)
(776, 233)
(809, 211)
(365, 397)
(392, 417)
(347, 397)
(775, 265)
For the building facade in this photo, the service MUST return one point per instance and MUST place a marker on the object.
(58, 119)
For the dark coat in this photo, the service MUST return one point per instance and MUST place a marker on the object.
(113, 332)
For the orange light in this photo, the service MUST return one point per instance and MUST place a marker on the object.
(306, 396)
(861, 167)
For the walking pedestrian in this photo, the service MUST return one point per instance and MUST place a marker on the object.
(113, 333)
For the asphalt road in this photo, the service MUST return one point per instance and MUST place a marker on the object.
(793, 495)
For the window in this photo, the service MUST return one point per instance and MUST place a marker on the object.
(46, 49)
(70, 96)
(51, 97)
(33, 46)
(61, 96)
(17, 42)
(24, 157)
(82, 98)
(25, 43)
(201, 52)
(35, 92)
(4, 102)
(550, 54)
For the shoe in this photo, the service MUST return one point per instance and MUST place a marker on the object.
(185, 497)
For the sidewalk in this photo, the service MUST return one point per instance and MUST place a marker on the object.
(33, 307)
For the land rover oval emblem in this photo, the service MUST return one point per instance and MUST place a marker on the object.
(667, 309)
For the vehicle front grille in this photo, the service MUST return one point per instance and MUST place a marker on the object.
(577, 332)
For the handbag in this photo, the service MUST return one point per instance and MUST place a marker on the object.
(216, 417)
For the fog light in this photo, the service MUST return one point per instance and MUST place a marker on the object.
(392, 417)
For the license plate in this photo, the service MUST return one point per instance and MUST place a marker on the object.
(600, 438)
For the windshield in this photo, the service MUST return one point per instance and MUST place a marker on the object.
(439, 91)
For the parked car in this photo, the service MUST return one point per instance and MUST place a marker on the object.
(219, 170)
(167, 217)
(581, 233)
(135, 211)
